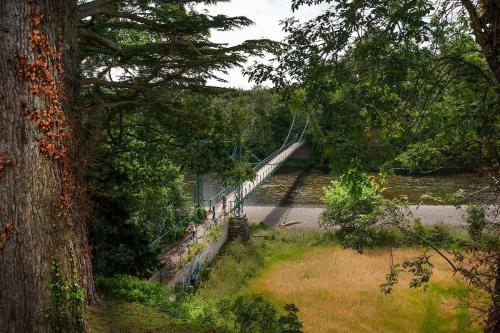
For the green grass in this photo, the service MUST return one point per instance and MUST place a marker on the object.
(230, 275)
(239, 263)
(434, 322)
(119, 316)
(338, 290)
(243, 270)
(266, 266)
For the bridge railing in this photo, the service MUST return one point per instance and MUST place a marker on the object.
(216, 199)
(214, 202)
(273, 155)
(226, 191)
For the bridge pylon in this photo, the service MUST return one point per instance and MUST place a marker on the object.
(239, 200)
(198, 191)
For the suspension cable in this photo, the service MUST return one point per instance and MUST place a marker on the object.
(304, 130)
(289, 131)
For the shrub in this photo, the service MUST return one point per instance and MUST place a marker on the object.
(140, 198)
(355, 204)
(290, 323)
(144, 292)
(476, 221)
(254, 314)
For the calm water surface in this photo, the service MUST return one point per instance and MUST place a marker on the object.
(299, 187)
(309, 190)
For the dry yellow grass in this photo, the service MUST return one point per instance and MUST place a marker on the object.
(337, 290)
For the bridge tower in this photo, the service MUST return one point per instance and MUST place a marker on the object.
(198, 191)
(238, 209)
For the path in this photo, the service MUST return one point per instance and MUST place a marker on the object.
(309, 215)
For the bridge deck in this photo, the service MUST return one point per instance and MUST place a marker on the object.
(264, 172)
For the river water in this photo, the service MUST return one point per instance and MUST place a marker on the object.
(307, 187)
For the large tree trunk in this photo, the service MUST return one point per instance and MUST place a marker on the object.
(45, 270)
(484, 20)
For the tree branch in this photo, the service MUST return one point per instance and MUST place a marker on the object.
(104, 83)
(121, 103)
(153, 25)
(91, 36)
(471, 65)
(133, 17)
(475, 21)
(93, 7)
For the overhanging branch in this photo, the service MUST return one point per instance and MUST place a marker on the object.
(131, 102)
(90, 36)
(475, 21)
(93, 7)
(111, 84)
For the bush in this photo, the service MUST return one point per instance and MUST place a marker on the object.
(254, 314)
(139, 197)
(476, 221)
(120, 246)
(290, 323)
(133, 289)
(355, 204)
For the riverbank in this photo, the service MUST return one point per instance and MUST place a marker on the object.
(308, 216)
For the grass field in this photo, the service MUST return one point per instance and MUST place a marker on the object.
(337, 290)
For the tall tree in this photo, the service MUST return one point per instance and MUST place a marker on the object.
(130, 52)
(141, 62)
(45, 272)
(375, 42)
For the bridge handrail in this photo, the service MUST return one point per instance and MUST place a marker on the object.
(218, 197)
(214, 201)
(230, 188)
(273, 155)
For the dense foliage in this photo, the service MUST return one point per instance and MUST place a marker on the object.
(243, 314)
(365, 218)
(355, 204)
(148, 122)
(383, 85)
(147, 157)
(393, 82)
(402, 84)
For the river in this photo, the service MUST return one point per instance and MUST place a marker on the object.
(294, 194)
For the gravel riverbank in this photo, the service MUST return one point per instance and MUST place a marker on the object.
(309, 215)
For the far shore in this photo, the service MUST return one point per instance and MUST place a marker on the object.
(308, 216)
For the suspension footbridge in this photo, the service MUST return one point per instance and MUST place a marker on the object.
(230, 200)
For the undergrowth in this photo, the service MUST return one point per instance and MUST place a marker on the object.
(223, 294)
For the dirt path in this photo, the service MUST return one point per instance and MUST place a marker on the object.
(309, 215)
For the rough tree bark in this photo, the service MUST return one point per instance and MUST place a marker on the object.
(44, 265)
(484, 19)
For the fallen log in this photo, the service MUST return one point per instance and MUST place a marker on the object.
(284, 225)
